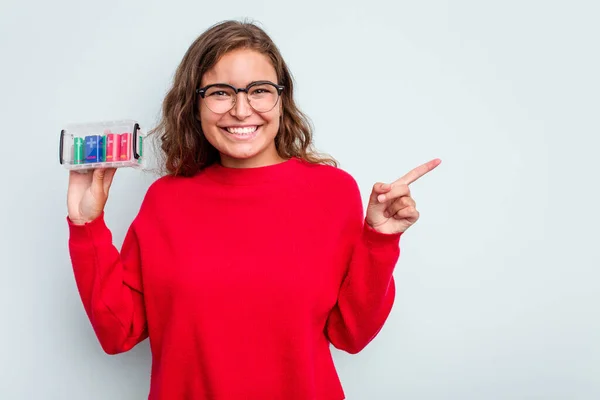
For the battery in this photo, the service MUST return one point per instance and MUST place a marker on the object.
(140, 149)
(125, 150)
(78, 150)
(113, 147)
(93, 148)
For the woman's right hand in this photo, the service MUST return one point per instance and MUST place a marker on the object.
(87, 194)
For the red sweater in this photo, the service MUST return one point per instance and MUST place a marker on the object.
(241, 279)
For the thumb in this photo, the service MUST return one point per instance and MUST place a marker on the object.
(109, 174)
(102, 179)
(98, 177)
(378, 189)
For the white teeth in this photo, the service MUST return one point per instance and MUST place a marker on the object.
(242, 131)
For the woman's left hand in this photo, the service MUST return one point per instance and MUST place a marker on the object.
(391, 209)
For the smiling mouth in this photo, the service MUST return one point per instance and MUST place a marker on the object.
(245, 132)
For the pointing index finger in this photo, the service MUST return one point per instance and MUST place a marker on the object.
(418, 172)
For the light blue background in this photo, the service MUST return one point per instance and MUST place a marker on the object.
(498, 283)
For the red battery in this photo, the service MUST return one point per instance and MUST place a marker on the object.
(113, 147)
(125, 151)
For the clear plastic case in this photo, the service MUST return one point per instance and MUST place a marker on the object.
(113, 144)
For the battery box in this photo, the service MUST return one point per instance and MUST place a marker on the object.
(108, 144)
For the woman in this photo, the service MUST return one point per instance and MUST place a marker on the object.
(252, 254)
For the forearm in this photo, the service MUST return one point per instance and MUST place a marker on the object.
(107, 288)
(367, 293)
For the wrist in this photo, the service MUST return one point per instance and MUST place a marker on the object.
(78, 221)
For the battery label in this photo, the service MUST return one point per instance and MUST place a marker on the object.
(93, 148)
(140, 149)
(125, 151)
(78, 151)
(113, 147)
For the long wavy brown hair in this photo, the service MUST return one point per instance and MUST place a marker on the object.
(185, 149)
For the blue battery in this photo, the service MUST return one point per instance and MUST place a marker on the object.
(94, 148)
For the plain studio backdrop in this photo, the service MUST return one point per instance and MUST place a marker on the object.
(498, 283)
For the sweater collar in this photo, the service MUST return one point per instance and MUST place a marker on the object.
(250, 176)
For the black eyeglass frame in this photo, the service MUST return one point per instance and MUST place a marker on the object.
(202, 91)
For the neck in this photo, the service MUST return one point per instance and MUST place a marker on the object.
(267, 174)
(252, 162)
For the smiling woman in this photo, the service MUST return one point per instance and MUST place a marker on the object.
(233, 76)
(262, 97)
(252, 255)
(242, 131)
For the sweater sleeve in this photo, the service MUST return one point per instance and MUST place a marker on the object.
(109, 284)
(367, 291)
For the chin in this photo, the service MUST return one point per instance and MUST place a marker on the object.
(249, 156)
(241, 154)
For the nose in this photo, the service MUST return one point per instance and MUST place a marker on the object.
(241, 109)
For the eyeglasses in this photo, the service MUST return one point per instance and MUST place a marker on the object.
(221, 97)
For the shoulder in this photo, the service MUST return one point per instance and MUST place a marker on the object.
(164, 189)
(329, 178)
(331, 192)
(161, 186)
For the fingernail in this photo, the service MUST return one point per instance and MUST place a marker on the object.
(381, 198)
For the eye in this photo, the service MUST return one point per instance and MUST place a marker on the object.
(263, 90)
(219, 93)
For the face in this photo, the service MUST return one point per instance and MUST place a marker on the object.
(244, 137)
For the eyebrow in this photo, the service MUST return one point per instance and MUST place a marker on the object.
(231, 84)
